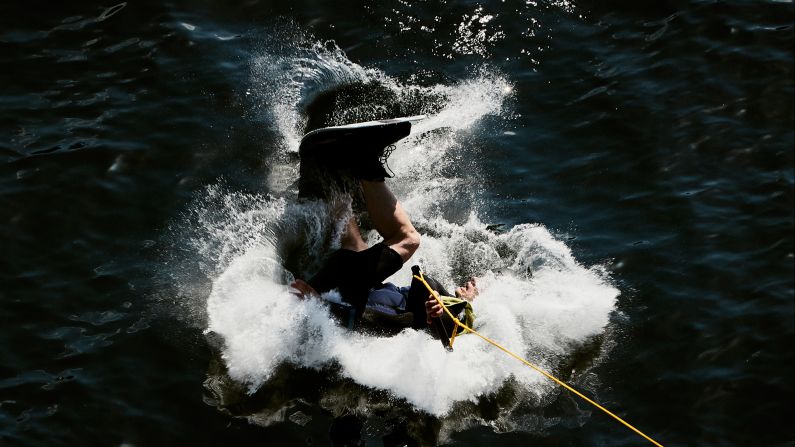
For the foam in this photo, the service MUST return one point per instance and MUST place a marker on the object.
(291, 69)
(535, 297)
(542, 304)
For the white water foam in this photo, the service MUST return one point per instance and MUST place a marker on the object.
(542, 314)
(292, 69)
(536, 299)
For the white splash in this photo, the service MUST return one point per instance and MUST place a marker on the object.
(542, 315)
(536, 299)
(284, 76)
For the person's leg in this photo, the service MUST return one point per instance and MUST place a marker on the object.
(354, 269)
(389, 219)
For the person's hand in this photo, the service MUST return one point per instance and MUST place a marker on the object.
(468, 291)
(432, 308)
(302, 289)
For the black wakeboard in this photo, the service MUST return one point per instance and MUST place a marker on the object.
(330, 153)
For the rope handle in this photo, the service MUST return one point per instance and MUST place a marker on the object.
(446, 340)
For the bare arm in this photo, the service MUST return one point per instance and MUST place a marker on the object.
(432, 309)
(302, 289)
(390, 219)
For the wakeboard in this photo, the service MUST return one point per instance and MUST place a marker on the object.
(329, 155)
(357, 136)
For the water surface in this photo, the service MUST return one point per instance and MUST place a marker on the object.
(639, 159)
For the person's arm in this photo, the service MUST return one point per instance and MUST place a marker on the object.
(432, 309)
(390, 219)
(466, 292)
(302, 289)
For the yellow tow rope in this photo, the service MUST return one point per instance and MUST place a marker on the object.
(458, 324)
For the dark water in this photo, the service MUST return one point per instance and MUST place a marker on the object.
(655, 140)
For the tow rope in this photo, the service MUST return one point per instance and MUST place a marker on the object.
(458, 324)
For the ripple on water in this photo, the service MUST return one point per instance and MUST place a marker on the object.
(78, 340)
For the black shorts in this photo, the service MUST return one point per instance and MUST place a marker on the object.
(354, 273)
